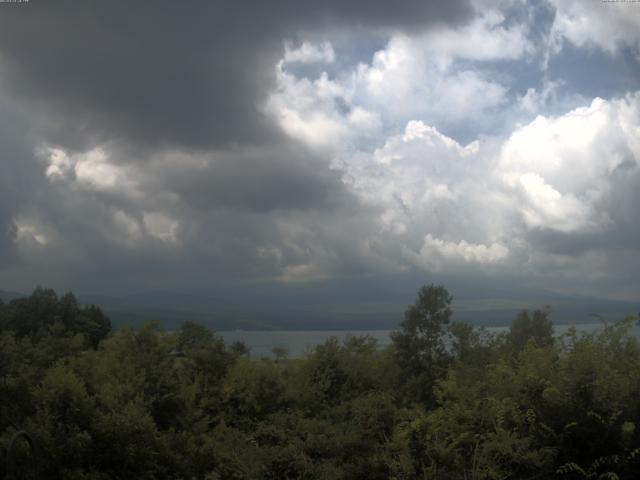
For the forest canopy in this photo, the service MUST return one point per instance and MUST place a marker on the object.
(445, 400)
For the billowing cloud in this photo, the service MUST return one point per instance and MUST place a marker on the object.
(554, 188)
(420, 77)
(567, 168)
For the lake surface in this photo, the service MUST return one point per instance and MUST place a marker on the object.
(298, 343)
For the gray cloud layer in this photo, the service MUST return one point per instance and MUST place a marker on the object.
(162, 145)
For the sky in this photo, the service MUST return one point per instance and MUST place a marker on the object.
(185, 146)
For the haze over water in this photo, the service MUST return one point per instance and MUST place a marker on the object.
(299, 343)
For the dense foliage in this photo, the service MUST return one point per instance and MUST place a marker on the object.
(444, 401)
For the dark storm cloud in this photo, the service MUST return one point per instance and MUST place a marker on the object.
(146, 79)
(188, 74)
(20, 178)
(259, 180)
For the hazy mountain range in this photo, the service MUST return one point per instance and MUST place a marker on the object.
(343, 304)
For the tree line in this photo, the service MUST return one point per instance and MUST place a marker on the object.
(444, 401)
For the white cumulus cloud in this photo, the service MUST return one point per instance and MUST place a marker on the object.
(309, 53)
(437, 254)
(609, 26)
(575, 176)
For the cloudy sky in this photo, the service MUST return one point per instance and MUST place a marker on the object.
(182, 145)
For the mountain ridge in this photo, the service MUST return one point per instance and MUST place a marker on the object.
(250, 308)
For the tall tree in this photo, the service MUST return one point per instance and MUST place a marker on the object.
(419, 345)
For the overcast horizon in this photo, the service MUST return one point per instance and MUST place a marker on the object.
(172, 147)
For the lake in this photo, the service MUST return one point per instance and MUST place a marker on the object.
(300, 342)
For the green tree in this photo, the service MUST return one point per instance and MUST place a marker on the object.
(93, 323)
(535, 327)
(419, 345)
(239, 349)
(280, 352)
(252, 390)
